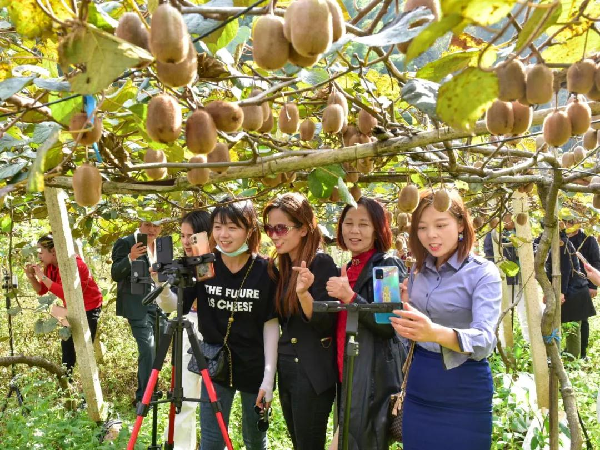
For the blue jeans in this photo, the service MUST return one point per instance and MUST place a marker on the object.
(210, 435)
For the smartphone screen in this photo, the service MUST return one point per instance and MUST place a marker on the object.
(143, 238)
(201, 247)
(386, 289)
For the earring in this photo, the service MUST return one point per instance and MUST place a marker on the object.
(460, 237)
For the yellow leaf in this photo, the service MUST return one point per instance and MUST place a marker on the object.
(572, 50)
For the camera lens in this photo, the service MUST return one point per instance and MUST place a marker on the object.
(379, 274)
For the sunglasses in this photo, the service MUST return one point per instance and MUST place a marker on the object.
(279, 229)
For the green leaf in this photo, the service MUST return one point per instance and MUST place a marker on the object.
(424, 41)
(422, 94)
(114, 102)
(50, 324)
(464, 99)
(64, 333)
(453, 62)
(345, 194)
(100, 18)
(28, 18)
(221, 38)
(35, 183)
(313, 77)
(11, 170)
(6, 223)
(14, 310)
(398, 30)
(11, 86)
(510, 268)
(46, 300)
(482, 12)
(38, 326)
(43, 131)
(571, 51)
(104, 56)
(534, 21)
(63, 111)
(322, 180)
(52, 84)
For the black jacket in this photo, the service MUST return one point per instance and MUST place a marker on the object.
(377, 368)
(588, 246)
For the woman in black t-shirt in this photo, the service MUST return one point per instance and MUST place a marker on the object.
(306, 351)
(241, 290)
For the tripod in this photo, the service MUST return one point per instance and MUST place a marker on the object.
(353, 310)
(180, 276)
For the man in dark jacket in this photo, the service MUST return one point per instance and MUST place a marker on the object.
(129, 305)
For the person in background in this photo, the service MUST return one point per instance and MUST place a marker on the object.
(306, 350)
(46, 278)
(451, 306)
(141, 318)
(365, 232)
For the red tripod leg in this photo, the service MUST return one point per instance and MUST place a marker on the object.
(143, 408)
(171, 433)
(212, 395)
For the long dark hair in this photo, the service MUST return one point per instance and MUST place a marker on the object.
(379, 219)
(296, 207)
(199, 221)
(46, 241)
(241, 213)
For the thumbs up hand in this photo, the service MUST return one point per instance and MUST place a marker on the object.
(339, 287)
(305, 278)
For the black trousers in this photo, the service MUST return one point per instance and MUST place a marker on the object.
(585, 337)
(305, 412)
(68, 346)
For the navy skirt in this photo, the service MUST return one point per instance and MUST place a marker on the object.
(447, 409)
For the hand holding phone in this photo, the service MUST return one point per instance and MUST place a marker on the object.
(143, 238)
(582, 258)
(201, 247)
(386, 289)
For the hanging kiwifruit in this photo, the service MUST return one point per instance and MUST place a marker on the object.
(523, 115)
(494, 222)
(500, 118)
(557, 128)
(402, 219)
(163, 120)
(333, 118)
(580, 116)
(267, 125)
(155, 156)
(169, 38)
(337, 98)
(78, 123)
(220, 154)
(352, 175)
(289, 118)
(272, 181)
(307, 130)
(408, 199)
(595, 123)
(228, 117)
(539, 85)
(311, 27)
(347, 135)
(302, 61)
(579, 154)
(511, 81)
(522, 219)
(87, 185)
(287, 22)
(527, 188)
(580, 76)
(596, 201)
(365, 165)
(266, 109)
(590, 139)
(179, 74)
(335, 195)
(198, 175)
(478, 164)
(253, 117)
(567, 160)
(441, 200)
(595, 182)
(365, 122)
(355, 192)
(478, 222)
(338, 25)
(594, 93)
(540, 143)
(400, 243)
(132, 30)
(270, 48)
(359, 139)
(200, 132)
(409, 5)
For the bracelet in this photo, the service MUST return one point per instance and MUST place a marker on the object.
(44, 278)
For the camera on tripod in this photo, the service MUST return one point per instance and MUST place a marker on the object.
(9, 282)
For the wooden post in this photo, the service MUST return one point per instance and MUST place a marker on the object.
(532, 300)
(507, 335)
(65, 254)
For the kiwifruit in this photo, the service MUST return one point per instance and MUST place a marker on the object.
(349, 134)
(302, 61)
(333, 118)
(567, 160)
(359, 139)
(478, 222)
(352, 175)
(337, 98)
(579, 154)
(338, 25)
(408, 199)
(287, 21)
(478, 164)
(179, 74)
(288, 177)
(198, 175)
(78, 123)
(289, 118)
(87, 185)
(523, 115)
(590, 139)
(169, 38)
(594, 93)
(266, 109)
(267, 125)
(200, 132)
(596, 201)
(399, 243)
(580, 116)
(432, 5)
(595, 182)
(557, 128)
(402, 219)
(580, 76)
(539, 84)
(344, 125)
(526, 189)
(355, 192)
(155, 156)
(132, 30)
(335, 195)
(365, 165)
(311, 28)
(522, 219)
(511, 81)
(228, 116)
(307, 130)
(597, 76)
(219, 154)
(270, 48)
(494, 222)
(596, 125)
(163, 121)
(272, 181)
(441, 200)
(500, 118)
(540, 143)
(253, 117)
(365, 122)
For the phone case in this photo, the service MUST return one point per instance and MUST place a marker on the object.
(143, 238)
(200, 247)
(385, 290)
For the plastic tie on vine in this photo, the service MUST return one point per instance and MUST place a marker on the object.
(552, 336)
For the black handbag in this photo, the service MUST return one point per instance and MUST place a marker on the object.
(397, 400)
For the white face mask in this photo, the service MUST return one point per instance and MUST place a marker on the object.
(239, 251)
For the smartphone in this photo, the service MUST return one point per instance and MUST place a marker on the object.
(581, 258)
(139, 269)
(386, 289)
(201, 247)
(143, 238)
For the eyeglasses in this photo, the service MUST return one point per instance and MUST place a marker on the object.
(280, 229)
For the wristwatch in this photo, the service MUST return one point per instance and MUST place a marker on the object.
(44, 278)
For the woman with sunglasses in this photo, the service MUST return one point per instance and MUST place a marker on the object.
(236, 308)
(306, 357)
(46, 278)
(366, 233)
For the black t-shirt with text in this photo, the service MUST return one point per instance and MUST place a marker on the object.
(253, 306)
